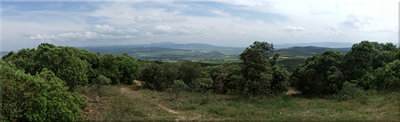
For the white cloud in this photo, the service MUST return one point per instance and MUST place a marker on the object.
(44, 37)
(127, 22)
(221, 13)
(291, 28)
(123, 13)
(106, 29)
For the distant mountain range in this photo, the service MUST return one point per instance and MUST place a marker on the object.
(201, 46)
(200, 50)
(307, 51)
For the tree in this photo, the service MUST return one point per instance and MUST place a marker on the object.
(259, 75)
(321, 74)
(365, 57)
(177, 87)
(40, 97)
(188, 71)
(61, 60)
(110, 68)
(158, 76)
(387, 77)
(128, 68)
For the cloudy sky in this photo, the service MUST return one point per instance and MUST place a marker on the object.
(235, 23)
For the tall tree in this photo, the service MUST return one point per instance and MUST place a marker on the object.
(259, 73)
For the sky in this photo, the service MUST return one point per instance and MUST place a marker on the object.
(232, 23)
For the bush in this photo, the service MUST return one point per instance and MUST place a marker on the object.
(101, 80)
(158, 76)
(40, 97)
(128, 67)
(349, 91)
(61, 60)
(321, 74)
(202, 85)
(178, 87)
(188, 71)
(387, 77)
(262, 77)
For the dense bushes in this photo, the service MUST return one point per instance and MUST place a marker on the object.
(40, 97)
(74, 66)
(320, 74)
(262, 77)
(371, 64)
(257, 76)
(387, 77)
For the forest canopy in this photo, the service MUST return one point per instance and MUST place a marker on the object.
(47, 77)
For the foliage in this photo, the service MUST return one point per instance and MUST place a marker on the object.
(188, 71)
(110, 68)
(350, 90)
(177, 87)
(101, 80)
(321, 74)
(365, 57)
(128, 68)
(262, 77)
(222, 77)
(202, 85)
(387, 77)
(158, 76)
(40, 97)
(61, 60)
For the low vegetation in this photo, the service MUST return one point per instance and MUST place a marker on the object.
(56, 83)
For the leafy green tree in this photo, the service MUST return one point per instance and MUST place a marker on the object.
(202, 85)
(128, 68)
(259, 72)
(101, 80)
(188, 71)
(61, 60)
(387, 77)
(177, 87)
(110, 68)
(158, 76)
(365, 57)
(40, 97)
(222, 77)
(321, 74)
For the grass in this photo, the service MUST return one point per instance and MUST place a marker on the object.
(147, 105)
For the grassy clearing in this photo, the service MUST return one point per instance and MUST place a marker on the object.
(129, 103)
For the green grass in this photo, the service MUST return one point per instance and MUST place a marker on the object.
(145, 106)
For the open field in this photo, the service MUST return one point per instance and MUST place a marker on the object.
(130, 103)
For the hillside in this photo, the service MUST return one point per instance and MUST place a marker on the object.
(307, 51)
(156, 53)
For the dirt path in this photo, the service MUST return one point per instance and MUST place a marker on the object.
(291, 91)
(132, 90)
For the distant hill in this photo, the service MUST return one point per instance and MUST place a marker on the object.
(169, 45)
(315, 44)
(2, 53)
(168, 50)
(308, 51)
(156, 53)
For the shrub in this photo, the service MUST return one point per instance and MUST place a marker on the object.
(61, 60)
(349, 91)
(262, 77)
(128, 67)
(202, 85)
(178, 87)
(321, 74)
(188, 71)
(101, 80)
(40, 97)
(387, 77)
(158, 77)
